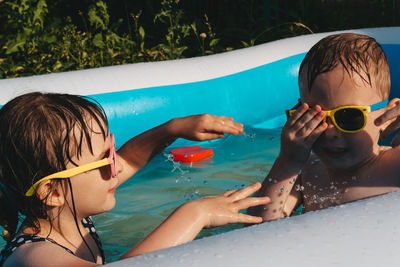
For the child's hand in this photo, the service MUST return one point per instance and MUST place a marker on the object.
(224, 209)
(203, 127)
(300, 132)
(391, 117)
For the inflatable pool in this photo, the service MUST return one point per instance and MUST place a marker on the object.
(255, 86)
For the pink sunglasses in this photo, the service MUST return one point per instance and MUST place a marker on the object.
(110, 160)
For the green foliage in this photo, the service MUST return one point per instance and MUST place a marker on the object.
(171, 15)
(42, 36)
(38, 43)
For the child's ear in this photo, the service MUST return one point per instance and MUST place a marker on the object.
(51, 195)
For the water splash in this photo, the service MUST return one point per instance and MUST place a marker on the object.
(183, 176)
(251, 136)
(299, 187)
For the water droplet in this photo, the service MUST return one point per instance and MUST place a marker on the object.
(251, 136)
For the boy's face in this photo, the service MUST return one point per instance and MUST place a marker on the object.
(339, 150)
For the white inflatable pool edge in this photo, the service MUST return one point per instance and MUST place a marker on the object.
(136, 76)
(363, 233)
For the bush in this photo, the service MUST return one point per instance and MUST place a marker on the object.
(41, 36)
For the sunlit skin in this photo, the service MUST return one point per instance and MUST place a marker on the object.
(94, 194)
(344, 166)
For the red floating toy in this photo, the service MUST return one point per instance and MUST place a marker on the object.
(191, 153)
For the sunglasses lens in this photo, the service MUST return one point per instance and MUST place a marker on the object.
(108, 171)
(349, 119)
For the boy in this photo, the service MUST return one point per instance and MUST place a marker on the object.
(340, 79)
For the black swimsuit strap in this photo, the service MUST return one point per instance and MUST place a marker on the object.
(89, 225)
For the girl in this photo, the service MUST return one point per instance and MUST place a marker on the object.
(58, 167)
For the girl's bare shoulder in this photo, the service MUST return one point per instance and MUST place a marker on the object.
(43, 254)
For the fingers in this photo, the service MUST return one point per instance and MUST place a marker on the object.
(230, 192)
(245, 218)
(391, 129)
(309, 118)
(224, 124)
(211, 126)
(396, 141)
(297, 114)
(210, 136)
(245, 192)
(251, 202)
(306, 122)
(392, 112)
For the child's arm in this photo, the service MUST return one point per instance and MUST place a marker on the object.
(139, 150)
(186, 222)
(298, 135)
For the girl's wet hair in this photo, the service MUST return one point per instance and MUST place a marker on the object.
(39, 135)
(358, 54)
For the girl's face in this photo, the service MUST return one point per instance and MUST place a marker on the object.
(93, 190)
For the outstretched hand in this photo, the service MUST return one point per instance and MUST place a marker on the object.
(204, 127)
(300, 132)
(392, 117)
(224, 209)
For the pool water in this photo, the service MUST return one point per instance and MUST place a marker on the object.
(146, 199)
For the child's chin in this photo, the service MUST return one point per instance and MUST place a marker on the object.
(336, 162)
(110, 203)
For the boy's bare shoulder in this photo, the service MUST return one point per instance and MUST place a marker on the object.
(390, 157)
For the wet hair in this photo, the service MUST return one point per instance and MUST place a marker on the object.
(358, 54)
(39, 135)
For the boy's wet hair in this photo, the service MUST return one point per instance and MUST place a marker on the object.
(358, 54)
(39, 134)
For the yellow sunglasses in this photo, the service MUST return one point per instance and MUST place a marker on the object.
(110, 160)
(349, 119)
